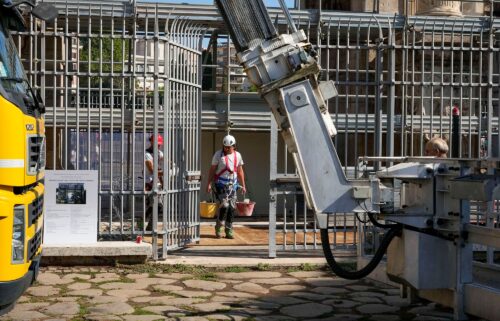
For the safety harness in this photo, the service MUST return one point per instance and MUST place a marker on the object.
(218, 175)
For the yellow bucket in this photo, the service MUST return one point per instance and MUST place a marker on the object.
(208, 210)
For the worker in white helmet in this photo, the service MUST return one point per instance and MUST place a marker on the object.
(227, 177)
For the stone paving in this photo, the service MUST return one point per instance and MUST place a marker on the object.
(198, 294)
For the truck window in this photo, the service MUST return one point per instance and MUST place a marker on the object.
(13, 81)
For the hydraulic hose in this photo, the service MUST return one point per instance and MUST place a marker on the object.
(365, 271)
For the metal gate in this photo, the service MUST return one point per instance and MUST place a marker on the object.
(112, 76)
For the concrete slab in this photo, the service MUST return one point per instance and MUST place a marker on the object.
(96, 254)
(245, 256)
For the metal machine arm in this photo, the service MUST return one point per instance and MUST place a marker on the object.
(285, 70)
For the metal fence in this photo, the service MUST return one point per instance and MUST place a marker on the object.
(111, 77)
(111, 73)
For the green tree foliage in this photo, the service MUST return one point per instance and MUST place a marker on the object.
(108, 56)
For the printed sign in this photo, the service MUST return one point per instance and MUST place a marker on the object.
(71, 207)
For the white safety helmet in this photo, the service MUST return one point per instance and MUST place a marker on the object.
(229, 140)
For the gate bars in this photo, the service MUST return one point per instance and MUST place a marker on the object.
(110, 78)
(398, 77)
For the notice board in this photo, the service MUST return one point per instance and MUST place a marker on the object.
(71, 199)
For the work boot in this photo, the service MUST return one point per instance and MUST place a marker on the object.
(218, 232)
(229, 233)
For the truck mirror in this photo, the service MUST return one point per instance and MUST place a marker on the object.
(39, 101)
(45, 11)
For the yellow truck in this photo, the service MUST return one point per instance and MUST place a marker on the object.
(22, 162)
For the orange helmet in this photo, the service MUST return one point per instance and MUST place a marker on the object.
(159, 138)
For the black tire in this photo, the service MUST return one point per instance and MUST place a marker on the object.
(6, 308)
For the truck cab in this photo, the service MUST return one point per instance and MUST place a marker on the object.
(22, 163)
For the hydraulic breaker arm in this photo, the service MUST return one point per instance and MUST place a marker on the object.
(285, 70)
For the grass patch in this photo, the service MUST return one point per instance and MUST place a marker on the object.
(236, 269)
(81, 313)
(202, 272)
(124, 279)
(208, 276)
(63, 290)
(198, 271)
(80, 280)
(153, 268)
(305, 267)
(140, 311)
(188, 308)
(263, 267)
(167, 293)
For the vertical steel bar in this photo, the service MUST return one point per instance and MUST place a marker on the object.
(431, 80)
(422, 93)
(89, 97)
(273, 168)
(378, 97)
(442, 66)
(391, 99)
(412, 95)
(347, 67)
(112, 186)
(54, 96)
(133, 146)
(480, 93)
(145, 118)
(470, 92)
(337, 74)
(198, 127)
(122, 161)
(367, 91)
(357, 98)
(452, 82)
(64, 84)
(294, 213)
(490, 75)
(404, 87)
(155, 133)
(285, 221)
(77, 93)
(461, 89)
(288, 16)
(463, 260)
(166, 152)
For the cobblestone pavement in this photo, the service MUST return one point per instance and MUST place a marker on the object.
(197, 294)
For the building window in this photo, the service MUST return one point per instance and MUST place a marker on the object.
(328, 4)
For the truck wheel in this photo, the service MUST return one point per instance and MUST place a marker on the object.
(6, 308)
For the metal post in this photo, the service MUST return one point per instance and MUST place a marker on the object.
(155, 140)
(463, 260)
(273, 171)
(391, 99)
(489, 125)
(378, 98)
(288, 16)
